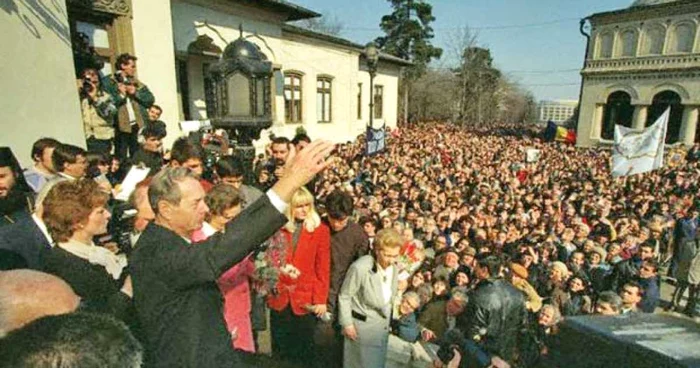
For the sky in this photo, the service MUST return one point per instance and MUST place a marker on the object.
(544, 58)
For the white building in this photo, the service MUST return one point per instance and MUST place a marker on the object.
(320, 82)
(642, 60)
(558, 111)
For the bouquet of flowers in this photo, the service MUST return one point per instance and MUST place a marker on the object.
(271, 264)
(411, 256)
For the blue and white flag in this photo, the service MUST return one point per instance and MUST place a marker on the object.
(376, 140)
(636, 151)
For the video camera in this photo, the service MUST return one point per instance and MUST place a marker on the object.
(215, 143)
(121, 227)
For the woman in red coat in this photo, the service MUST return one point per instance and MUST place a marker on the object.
(302, 290)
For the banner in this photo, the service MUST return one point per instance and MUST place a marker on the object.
(532, 155)
(376, 140)
(637, 152)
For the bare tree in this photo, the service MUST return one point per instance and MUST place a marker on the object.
(327, 23)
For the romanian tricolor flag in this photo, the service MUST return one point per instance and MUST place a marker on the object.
(553, 132)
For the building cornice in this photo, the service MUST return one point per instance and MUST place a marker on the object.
(115, 7)
(644, 13)
(654, 63)
(289, 10)
(338, 41)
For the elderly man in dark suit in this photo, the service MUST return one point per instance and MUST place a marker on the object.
(175, 291)
(366, 301)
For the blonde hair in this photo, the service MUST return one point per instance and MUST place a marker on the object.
(388, 238)
(301, 197)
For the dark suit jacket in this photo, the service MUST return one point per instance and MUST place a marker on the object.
(347, 246)
(26, 239)
(175, 292)
(92, 283)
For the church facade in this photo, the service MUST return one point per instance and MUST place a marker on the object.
(640, 61)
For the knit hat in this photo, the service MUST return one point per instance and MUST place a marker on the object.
(519, 270)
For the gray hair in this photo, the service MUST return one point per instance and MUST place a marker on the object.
(164, 186)
(611, 298)
(412, 295)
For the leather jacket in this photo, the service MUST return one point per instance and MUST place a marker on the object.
(494, 317)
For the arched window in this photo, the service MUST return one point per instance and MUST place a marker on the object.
(659, 104)
(653, 40)
(683, 37)
(605, 44)
(629, 43)
(618, 110)
(292, 97)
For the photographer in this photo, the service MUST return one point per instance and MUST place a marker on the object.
(132, 98)
(98, 111)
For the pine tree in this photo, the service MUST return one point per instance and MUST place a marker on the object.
(407, 35)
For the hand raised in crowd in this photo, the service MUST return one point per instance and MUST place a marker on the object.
(302, 167)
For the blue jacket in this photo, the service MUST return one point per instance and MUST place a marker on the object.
(406, 328)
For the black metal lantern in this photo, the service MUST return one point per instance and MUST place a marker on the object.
(240, 99)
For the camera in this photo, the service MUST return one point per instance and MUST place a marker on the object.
(87, 86)
(121, 78)
(121, 226)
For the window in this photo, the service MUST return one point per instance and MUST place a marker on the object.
(654, 40)
(684, 36)
(605, 44)
(292, 97)
(183, 88)
(359, 101)
(618, 110)
(99, 33)
(629, 43)
(323, 99)
(378, 102)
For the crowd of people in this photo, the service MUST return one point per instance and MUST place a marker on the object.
(450, 247)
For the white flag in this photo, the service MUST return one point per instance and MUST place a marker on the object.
(637, 152)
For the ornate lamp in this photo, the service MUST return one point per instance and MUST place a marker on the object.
(240, 98)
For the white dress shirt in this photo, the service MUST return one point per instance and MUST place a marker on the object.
(387, 275)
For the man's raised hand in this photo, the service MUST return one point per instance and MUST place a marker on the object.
(302, 166)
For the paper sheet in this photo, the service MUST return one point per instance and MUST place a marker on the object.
(136, 175)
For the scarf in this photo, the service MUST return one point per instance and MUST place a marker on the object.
(114, 264)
